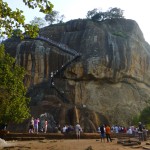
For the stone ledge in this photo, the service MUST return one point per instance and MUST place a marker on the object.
(41, 136)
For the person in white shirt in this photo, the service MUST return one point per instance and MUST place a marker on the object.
(78, 130)
(64, 129)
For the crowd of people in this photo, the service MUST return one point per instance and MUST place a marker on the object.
(138, 131)
(34, 126)
(104, 130)
(69, 128)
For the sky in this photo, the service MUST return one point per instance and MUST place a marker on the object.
(137, 10)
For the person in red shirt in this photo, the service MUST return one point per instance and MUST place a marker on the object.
(108, 133)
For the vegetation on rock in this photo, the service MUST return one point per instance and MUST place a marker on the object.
(98, 15)
(54, 17)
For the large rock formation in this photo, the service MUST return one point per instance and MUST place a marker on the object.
(108, 83)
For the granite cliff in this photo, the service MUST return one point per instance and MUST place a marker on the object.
(109, 82)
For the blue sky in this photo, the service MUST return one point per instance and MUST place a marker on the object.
(137, 10)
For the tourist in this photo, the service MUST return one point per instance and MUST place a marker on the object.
(31, 126)
(78, 130)
(59, 128)
(64, 129)
(52, 79)
(144, 133)
(140, 131)
(70, 128)
(116, 129)
(98, 130)
(108, 132)
(45, 126)
(36, 124)
(102, 133)
(129, 131)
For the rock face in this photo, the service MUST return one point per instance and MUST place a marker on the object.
(109, 83)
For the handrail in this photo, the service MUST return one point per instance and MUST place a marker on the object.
(61, 46)
(65, 49)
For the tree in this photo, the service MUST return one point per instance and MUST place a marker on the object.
(61, 18)
(54, 17)
(98, 15)
(91, 13)
(13, 100)
(38, 21)
(10, 20)
(115, 13)
(144, 116)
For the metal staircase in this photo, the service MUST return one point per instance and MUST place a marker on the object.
(62, 47)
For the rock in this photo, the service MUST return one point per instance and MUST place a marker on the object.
(107, 84)
(147, 143)
(136, 146)
(145, 147)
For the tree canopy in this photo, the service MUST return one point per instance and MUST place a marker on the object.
(13, 101)
(10, 20)
(98, 15)
(91, 13)
(144, 116)
(54, 17)
(38, 21)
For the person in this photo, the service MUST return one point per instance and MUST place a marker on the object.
(102, 133)
(144, 133)
(31, 126)
(36, 124)
(129, 131)
(140, 127)
(116, 129)
(108, 133)
(52, 79)
(78, 130)
(45, 126)
(98, 130)
(59, 129)
(64, 129)
(140, 131)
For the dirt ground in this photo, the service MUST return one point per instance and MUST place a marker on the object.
(63, 144)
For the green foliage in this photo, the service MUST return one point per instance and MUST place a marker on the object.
(16, 33)
(121, 34)
(38, 21)
(10, 20)
(115, 13)
(98, 15)
(144, 116)
(44, 5)
(13, 100)
(91, 13)
(54, 17)
(148, 126)
(135, 120)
